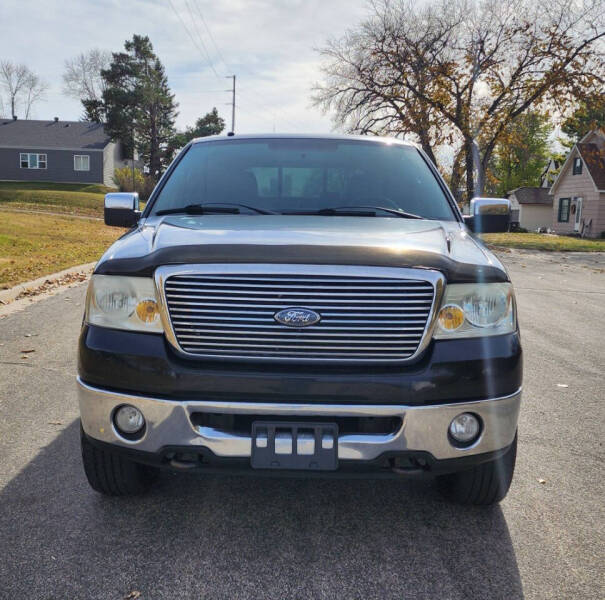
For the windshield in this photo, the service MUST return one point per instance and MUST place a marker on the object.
(305, 175)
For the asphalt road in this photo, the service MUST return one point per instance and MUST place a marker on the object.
(229, 537)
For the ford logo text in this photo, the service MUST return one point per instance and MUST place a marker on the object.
(297, 317)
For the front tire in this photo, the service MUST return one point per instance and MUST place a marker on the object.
(485, 484)
(113, 475)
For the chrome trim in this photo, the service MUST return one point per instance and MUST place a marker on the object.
(423, 427)
(433, 278)
(122, 200)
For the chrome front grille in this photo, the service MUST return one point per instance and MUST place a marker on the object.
(369, 314)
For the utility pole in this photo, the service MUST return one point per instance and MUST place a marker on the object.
(232, 104)
(134, 188)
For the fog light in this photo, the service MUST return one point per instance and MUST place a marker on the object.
(129, 419)
(465, 428)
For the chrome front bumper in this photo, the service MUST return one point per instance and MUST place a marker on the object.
(424, 428)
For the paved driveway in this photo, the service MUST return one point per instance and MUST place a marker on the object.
(228, 537)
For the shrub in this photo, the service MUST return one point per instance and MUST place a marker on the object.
(143, 184)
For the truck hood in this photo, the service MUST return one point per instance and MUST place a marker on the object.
(446, 246)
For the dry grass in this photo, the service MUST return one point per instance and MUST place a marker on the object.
(73, 199)
(543, 241)
(35, 245)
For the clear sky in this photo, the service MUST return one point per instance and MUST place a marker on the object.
(269, 44)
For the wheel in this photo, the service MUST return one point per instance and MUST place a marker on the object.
(113, 475)
(485, 484)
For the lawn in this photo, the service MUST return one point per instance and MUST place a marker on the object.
(543, 241)
(77, 199)
(36, 245)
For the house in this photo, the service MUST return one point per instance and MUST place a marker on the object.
(579, 189)
(59, 151)
(550, 172)
(531, 207)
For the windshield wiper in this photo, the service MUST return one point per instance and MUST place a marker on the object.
(352, 211)
(229, 208)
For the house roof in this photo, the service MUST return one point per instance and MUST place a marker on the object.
(593, 156)
(594, 159)
(532, 195)
(31, 134)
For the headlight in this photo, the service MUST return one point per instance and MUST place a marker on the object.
(123, 303)
(476, 309)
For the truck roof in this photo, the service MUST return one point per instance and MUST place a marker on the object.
(310, 136)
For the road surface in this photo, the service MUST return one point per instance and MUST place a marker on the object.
(230, 537)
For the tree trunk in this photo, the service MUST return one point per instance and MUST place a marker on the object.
(456, 176)
(425, 142)
(429, 152)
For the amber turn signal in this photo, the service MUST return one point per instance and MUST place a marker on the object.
(147, 311)
(451, 317)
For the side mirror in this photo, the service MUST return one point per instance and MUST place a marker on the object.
(122, 209)
(489, 215)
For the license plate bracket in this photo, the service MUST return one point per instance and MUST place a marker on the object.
(307, 446)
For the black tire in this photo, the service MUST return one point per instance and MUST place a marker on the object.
(485, 484)
(112, 474)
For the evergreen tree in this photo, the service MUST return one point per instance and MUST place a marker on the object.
(210, 124)
(138, 106)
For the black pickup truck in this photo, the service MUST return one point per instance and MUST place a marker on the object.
(301, 305)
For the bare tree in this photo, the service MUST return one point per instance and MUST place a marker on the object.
(82, 77)
(469, 66)
(366, 98)
(22, 87)
(34, 90)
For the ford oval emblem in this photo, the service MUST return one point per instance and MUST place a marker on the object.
(297, 317)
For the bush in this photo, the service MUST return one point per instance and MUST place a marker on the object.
(143, 184)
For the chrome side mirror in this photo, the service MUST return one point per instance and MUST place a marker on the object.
(489, 215)
(122, 209)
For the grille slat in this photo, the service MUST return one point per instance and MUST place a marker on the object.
(290, 336)
(277, 330)
(254, 323)
(327, 313)
(262, 303)
(362, 318)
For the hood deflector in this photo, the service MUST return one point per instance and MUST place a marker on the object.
(454, 271)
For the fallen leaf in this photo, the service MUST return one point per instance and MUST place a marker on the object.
(542, 481)
(563, 385)
(24, 356)
(55, 423)
(133, 595)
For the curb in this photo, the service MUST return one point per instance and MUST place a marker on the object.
(13, 293)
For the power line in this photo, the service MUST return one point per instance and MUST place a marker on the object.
(191, 37)
(218, 51)
(199, 35)
(262, 105)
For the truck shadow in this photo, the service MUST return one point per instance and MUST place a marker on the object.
(239, 537)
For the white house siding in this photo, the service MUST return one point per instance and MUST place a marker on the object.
(532, 216)
(600, 228)
(112, 160)
(579, 186)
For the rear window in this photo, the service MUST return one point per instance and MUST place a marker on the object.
(285, 175)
